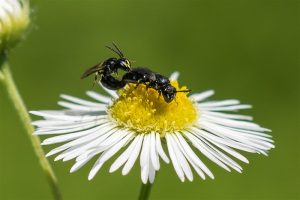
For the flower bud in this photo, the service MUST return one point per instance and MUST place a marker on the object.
(14, 20)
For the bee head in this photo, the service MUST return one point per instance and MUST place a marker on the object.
(169, 93)
(124, 64)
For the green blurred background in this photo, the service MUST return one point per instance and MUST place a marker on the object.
(248, 50)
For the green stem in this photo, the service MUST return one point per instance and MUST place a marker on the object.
(13, 94)
(145, 191)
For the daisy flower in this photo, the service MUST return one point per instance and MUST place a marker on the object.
(140, 125)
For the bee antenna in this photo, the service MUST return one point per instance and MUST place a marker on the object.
(117, 48)
(184, 91)
(113, 50)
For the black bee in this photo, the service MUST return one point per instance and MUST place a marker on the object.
(109, 66)
(144, 76)
(152, 80)
(104, 72)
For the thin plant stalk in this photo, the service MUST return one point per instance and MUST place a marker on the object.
(145, 191)
(14, 95)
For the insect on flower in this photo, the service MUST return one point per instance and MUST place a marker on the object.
(109, 66)
(144, 76)
(140, 75)
(152, 80)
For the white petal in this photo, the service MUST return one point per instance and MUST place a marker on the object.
(153, 152)
(56, 150)
(145, 153)
(202, 96)
(227, 108)
(71, 136)
(134, 155)
(45, 130)
(189, 155)
(254, 132)
(225, 141)
(233, 153)
(181, 158)
(219, 103)
(80, 164)
(80, 101)
(53, 123)
(145, 173)
(73, 106)
(174, 76)
(205, 151)
(223, 131)
(88, 135)
(112, 93)
(72, 152)
(93, 147)
(82, 149)
(62, 115)
(174, 160)
(195, 159)
(99, 97)
(71, 130)
(94, 170)
(222, 156)
(107, 155)
(151, 173)
(226, 115)
(124, 156)
(115, 148)
(224, 148)
(232, 123)
(109, 141)
(99, 148)
(160, 149)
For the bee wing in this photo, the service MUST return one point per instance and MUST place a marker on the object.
(92, 70)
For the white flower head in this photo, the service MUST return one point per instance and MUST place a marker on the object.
(137, 122)
(14, 20)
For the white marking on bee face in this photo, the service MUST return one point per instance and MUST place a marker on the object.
(126, 63)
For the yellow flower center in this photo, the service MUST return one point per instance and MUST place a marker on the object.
(144, 111)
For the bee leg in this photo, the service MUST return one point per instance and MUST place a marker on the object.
(176, 101)
(137, 85)
(147, 87)
(159, 94)
(95, 80)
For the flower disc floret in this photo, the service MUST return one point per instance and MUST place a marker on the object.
(145, 111)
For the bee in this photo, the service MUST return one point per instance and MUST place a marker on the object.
(150, 79)
(109, 66)
(104, 72)
(153, 80)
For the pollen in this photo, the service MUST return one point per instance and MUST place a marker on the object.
(143, 110)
